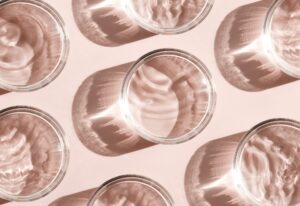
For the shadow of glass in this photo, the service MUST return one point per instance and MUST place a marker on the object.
(104, 22)
(97, 117)
(2, 92)
(77, 199)
(208, 178)
(239, 50)
(127, 193)
(2, 201)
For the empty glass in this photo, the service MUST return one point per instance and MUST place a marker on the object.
(118, 22)
(33, 154)
(167, 96)
(267, 164)
(33, 45)
(256, 45)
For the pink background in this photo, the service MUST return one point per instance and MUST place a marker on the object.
(236, 110)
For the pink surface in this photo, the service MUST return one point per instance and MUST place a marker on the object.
(236, 110)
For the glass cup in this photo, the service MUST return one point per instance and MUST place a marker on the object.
(281, 36)
(131, 190)
(159, 17)
(267, 164)
(167, 96)
(33, 45)
(33, 154)
(168, 16)
(259, 51)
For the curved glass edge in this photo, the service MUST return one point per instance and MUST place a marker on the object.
(269, 46)
(200, 126)
(168, 31)
(64, 52)
(133, 178)
(64, 149)
(237, 174)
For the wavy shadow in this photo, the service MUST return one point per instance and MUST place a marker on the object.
(208, 177)
(104, 22)
(239, 50)
(77, 199)
(97, 118)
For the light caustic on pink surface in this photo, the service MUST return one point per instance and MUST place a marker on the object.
(130, 194)
(285, 31)
(166, 13)
(270, 165)
(30, 154)
(30, 44)
(168, 96)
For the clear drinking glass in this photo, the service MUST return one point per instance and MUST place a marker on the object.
(267, 164)
(257, 45)
(131, 190)
(168, 16)
(282, 35)
(167, 96)
(33, 154)
(33, 44)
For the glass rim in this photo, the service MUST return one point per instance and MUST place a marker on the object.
(160, 30)
(133, 178)
(64, 149)
(268, 44)
(238, 177)
(201, 124)
(57, 18)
